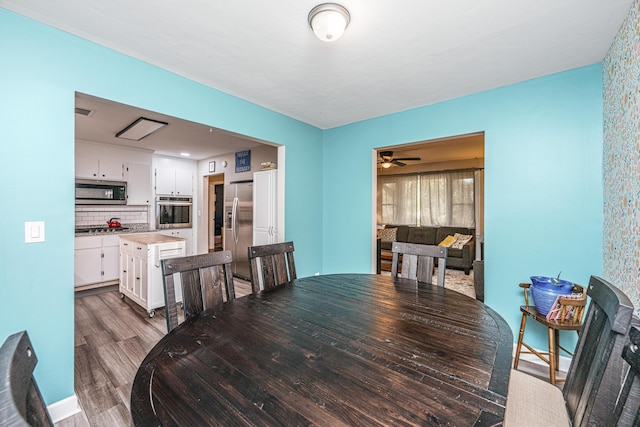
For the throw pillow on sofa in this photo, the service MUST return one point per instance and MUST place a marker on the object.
(388, 234)
(460, 240)
(448, 241)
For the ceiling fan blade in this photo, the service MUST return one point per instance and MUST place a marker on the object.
(409, 158)
(397, 162)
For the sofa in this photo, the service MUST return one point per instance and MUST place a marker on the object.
(457, 258)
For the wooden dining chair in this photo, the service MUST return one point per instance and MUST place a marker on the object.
(418, 262)
(627, 410)
(595, 375)
(21, 403)
(204, 280)
(271, 265)
(569, 313)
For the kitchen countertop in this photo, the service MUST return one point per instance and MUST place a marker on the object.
(150, 238)
(105, 231)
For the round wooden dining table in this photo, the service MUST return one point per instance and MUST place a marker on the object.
(331, 350)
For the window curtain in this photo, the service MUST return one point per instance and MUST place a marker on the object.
(431, 199)
(447, 199)
(399, 194)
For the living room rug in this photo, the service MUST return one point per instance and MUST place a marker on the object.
(458, 281)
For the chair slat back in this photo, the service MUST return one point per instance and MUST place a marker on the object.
(206, 281)
(575, 307)
(271, 265)
(418, 261)
(627, 411)
(21, 403)
(595, 374)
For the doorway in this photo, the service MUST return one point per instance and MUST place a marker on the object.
(215, 189)
(394, 164)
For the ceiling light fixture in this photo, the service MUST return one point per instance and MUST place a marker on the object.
(140, 128)
(386, 165)
(328, 21)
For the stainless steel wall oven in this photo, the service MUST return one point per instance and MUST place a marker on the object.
(174, 212)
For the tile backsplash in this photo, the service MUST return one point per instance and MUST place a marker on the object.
(99, 215)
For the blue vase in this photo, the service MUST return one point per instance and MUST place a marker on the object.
(545, 290)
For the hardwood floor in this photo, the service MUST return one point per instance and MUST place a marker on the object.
(112, 337)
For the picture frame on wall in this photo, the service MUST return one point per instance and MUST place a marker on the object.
(212, 166)
(243, 161)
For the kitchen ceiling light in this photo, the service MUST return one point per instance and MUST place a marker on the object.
(328, 21)
(140, 128)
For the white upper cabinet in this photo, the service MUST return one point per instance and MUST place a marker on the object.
(99, 162)
(138, 175)
(174, 182)
(184, 182)
(165, 181)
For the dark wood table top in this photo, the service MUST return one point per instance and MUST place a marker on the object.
(344, 349)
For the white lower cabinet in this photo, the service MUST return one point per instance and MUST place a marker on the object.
(141, 272)
(96, 260)
(186, 233)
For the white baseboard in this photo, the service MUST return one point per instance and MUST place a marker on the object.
(564, 361)
(64, 408)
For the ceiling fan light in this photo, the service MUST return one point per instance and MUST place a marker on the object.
(328, 21)
(386, 165)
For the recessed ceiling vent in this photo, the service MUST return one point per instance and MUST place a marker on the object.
(83, 111)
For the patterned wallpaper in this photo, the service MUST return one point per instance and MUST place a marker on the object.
(621, 162)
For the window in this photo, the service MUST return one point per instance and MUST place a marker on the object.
(429, 199)
(399, 196)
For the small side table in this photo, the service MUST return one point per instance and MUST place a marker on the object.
(478, 279)
(379, 256)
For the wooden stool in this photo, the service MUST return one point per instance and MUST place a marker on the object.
(569, 318)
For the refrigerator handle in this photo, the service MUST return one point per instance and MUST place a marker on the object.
(234, 220)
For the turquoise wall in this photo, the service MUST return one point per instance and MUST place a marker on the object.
(543, 182)
(41, 68)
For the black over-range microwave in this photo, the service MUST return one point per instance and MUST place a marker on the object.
(90, 192)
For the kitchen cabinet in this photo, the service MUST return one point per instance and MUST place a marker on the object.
(185, 233)
(174, 182)
(141, 271)
(98, 162)
(265, 191)
(97, 260)
(138, 176)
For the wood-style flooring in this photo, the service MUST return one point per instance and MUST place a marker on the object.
(112, 337)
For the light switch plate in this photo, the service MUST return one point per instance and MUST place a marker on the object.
(33, 231)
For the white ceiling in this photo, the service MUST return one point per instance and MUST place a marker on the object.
(394, 56)
(107, 118)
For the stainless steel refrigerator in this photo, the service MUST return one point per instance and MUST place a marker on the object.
(238, 224)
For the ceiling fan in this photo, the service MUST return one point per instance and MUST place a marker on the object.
(386, 159)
